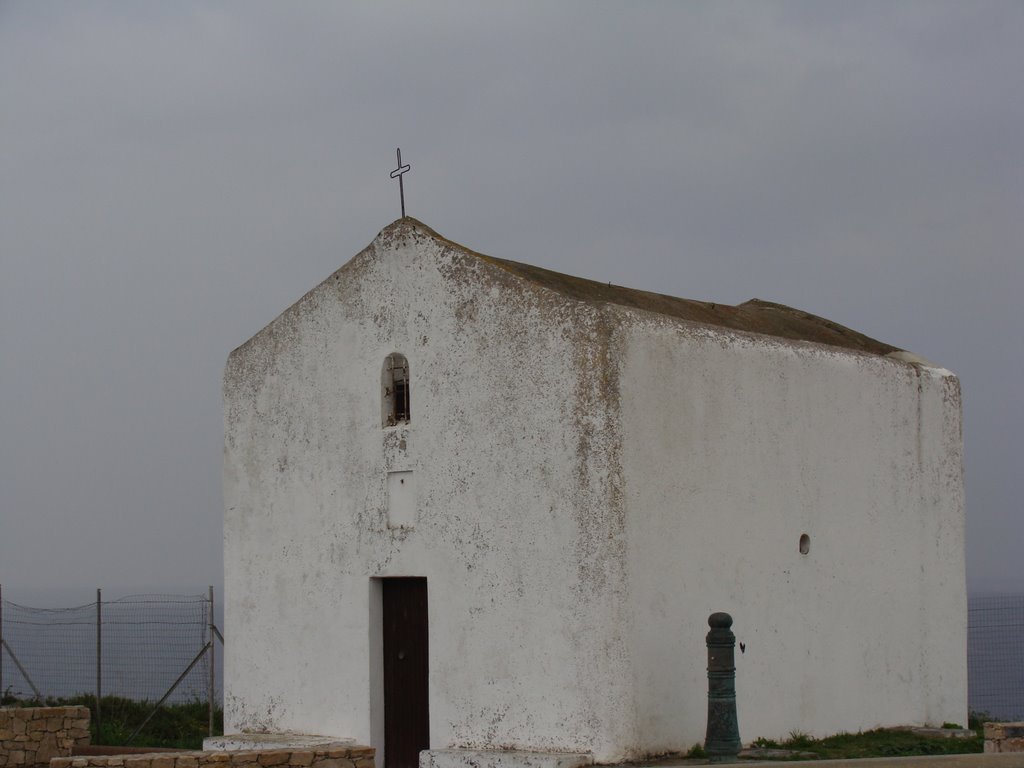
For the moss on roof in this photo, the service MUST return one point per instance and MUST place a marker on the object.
(754, 316)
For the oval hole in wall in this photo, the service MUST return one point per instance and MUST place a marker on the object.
(805, 543)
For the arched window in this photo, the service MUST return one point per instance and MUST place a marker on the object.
(395, 390)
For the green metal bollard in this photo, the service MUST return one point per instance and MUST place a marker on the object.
(722, 741)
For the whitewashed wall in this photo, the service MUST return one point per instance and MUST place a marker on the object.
(511, 458)
(733, 447)
(591, 482)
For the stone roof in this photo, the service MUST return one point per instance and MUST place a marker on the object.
(754, 316)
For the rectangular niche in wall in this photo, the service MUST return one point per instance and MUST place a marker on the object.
(401, 500)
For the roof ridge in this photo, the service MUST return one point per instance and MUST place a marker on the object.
(753, 316)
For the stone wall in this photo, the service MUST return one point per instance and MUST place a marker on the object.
(1004, 737)
(330, 757)
(31, 736)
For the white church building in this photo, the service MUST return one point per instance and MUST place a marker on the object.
(474, 506)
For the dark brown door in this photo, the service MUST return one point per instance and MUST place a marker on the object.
(406, 718)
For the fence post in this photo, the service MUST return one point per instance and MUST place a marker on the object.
(211, 690)
(99, 658)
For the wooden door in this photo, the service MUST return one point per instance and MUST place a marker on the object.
(406, 717)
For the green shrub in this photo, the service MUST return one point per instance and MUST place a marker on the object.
(696, 752)
(182, 725)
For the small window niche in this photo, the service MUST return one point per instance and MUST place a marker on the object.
(395, 390)
(805, 543)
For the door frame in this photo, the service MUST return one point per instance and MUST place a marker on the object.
(376, 659)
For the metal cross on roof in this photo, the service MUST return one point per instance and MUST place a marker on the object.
(397, 173)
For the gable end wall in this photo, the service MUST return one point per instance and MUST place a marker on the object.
(519, 528)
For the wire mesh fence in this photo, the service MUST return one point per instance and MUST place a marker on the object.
(136, 647)
(156, 648)
(995, 656)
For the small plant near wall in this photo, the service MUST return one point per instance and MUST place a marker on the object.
(696, 752)
(799, 740)
(976, 721)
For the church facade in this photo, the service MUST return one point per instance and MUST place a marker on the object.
(472, 504)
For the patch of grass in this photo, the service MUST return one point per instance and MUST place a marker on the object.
(181, 726)
(799, 740)
(877, 743)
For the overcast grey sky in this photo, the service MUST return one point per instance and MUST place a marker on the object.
(174, 175)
